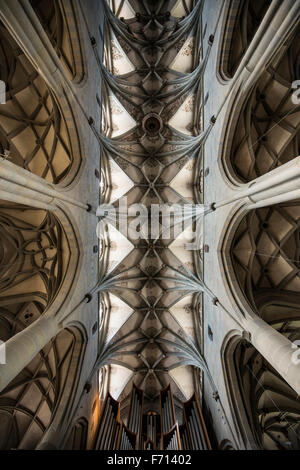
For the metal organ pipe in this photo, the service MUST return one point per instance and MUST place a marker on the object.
(122, 440)
(166, 416)
(198, 435)
(171, 411)
(176, 441)
(117, 429)
(199, 423)
(134, 426)
(135, 412)
(130, 422)
(191, 432)
(184, 440)
(163, 419)
(166, 410)
(169, 408)
(112, 434)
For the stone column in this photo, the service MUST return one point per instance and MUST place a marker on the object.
(24, 25)
(51, 439)
(16, 16)
(277, 186)
(272, 345)
(276, 349)
(26, 197)
(22, 348)
(273, 32)
(18, 182)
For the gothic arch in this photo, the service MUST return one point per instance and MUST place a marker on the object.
(33, 399)
(235, 398)
(37, 132)
(265, 253)
(62, 415)
(261, 253)
(241, 22)
(35, 256)
(39, 263)
(264, 128)
(59, 18)
(259, 395)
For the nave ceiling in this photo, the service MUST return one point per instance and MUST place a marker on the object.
(148, 119)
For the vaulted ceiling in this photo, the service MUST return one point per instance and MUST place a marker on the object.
(150, 288)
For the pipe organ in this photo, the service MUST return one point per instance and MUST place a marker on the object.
(167, 410)
(151, 430)
(128, 439)
(193, 430)
(171, 440)
(110, 425)
(136, 409)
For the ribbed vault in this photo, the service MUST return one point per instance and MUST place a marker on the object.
(59, 21)
(265, 250)
(271, 406)
(29, 403)
(33, 131)
(267, 134)
(151, 288)
(34, 257)
(244, 19)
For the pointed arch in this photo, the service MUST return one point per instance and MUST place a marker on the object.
(37, 132)
(41, 392)
(59, 18)
(241, 22)
(264, 126)
(35, 258)
(266, 408)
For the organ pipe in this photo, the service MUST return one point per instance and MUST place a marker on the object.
(152, 430)
(193, 430)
